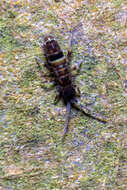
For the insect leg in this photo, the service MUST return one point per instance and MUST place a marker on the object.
(66, 128)
(58, 94)
(85, 111)
(39, 63)
(78, 92)
(68, 58)
(57, 98)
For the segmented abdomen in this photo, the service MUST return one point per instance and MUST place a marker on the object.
(56, 62)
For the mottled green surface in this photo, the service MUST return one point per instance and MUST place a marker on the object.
(93, 155)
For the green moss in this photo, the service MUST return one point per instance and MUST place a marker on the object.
(117, 2)
(28, 77)
(7, 40)
(93, 154)
(51, 18)
(116, 25)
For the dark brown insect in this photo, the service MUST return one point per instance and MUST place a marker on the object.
(59, 67)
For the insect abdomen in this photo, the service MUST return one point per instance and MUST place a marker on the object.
(56, 62)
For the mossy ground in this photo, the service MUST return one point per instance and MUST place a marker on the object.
(93, 155)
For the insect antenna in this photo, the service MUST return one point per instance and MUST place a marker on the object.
(66, 128)
(80, 107)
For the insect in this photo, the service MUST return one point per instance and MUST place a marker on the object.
(59, 67)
